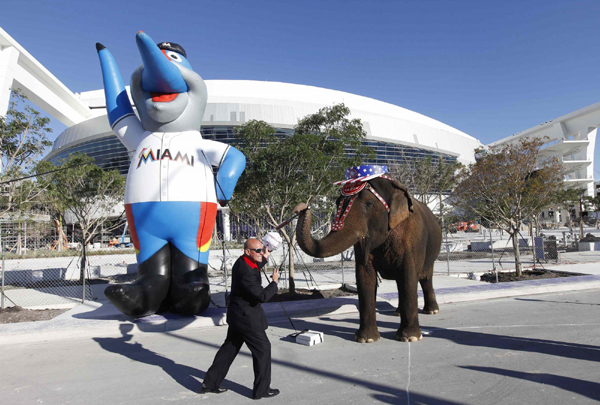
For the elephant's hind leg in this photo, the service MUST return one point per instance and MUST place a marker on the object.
(431, 306)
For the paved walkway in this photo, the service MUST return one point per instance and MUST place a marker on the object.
(534, 350)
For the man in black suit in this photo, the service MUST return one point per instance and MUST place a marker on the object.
(247, 323)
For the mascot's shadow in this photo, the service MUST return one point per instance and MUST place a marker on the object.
(188, 377)
(123, 345)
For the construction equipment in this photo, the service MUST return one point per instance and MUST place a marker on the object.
(467, 226)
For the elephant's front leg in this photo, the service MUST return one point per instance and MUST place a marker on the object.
(407, 282)
(366, 280)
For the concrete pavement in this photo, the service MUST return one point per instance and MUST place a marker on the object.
(100, 318)
(535, 350)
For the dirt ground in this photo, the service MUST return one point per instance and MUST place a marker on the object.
(18, 314)
(527, 275)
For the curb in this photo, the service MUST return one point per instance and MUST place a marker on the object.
(105, 320)
(507, 290)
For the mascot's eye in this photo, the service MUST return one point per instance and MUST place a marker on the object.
(174, 56)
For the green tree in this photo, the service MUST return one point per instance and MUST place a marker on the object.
(595, 205)
(23, 140)
(428, 179)
(572, 197)
(566, 199)
(283, 171)
(510, 184)
(86, 191)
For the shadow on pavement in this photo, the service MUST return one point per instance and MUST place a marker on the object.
(384, 393)
(558, 302)
(515, 343)
(184, 375)
(470, 338)
(581, 387)
(413, 398)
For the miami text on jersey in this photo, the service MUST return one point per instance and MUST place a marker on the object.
(148, 154)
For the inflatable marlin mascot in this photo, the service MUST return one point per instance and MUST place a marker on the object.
(171, 193)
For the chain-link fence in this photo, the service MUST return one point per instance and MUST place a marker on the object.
(42, 263)
(485, 250)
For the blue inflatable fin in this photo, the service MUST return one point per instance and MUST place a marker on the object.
(117, 101)
(230, 171)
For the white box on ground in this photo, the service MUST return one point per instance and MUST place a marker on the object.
(309, 338)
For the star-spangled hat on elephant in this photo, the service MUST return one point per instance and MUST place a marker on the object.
(362, 173)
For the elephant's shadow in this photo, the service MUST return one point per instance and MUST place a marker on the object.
(477, 339)
(332, 326)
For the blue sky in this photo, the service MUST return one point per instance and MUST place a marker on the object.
(487, 68)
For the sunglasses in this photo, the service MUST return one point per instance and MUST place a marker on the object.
(257, 250)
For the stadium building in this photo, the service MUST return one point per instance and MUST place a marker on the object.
(395, 133)
(571, 139)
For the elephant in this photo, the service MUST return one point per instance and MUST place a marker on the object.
(400, 245)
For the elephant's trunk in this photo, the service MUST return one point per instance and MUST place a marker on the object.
(334, 243)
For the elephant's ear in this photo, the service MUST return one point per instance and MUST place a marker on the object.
(401, 204)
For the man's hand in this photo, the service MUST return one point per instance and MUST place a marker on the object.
(266, 252)
(275, 275)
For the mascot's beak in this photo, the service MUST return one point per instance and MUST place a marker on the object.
(159, 75)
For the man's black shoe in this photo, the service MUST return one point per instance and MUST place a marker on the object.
(270, 393)
(206, 390)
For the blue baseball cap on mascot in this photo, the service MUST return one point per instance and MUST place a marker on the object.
(172, 46)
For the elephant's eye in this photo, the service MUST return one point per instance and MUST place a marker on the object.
(369, 204)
